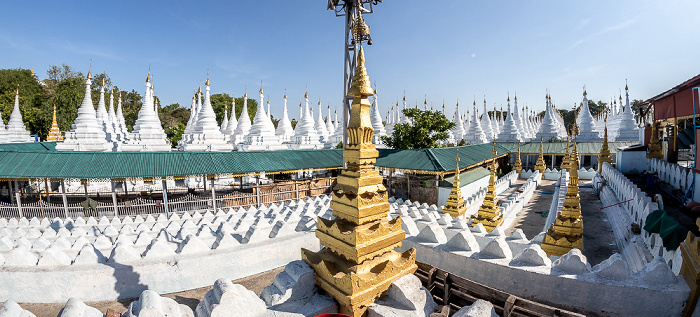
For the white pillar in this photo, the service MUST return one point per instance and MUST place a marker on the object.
(213, 195)
(19, 204)
(165, 197)
(114, 199)
(65, 200)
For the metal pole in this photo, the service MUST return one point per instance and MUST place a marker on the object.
(114, 199)
(12, 192)
(65, 200)
(165, 198)
(19, 204)
(257, 190)
(213, 195)
(85, 187)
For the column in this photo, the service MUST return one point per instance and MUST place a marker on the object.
(114, 198)
(165, 197)
(85, 188)
(12, 192)
(48, 190)
(213, 195)
(257, 190)
(19, 203)
(552, 168)
(296, 189)
(408, 186)
(63, 195)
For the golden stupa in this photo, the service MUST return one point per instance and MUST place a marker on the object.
(518, 166)
(539, 165)
(358, 261)
(490, 211)
(455, 206)
(566, 232)
(54, 133)
(604, 155)
(565, 161)
(654, 146)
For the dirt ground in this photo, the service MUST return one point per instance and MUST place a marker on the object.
(191, 298)
(530, 219)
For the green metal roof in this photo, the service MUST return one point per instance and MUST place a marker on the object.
(41, 160)
(559, 148)
(466, 177)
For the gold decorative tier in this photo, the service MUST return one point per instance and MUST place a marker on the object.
(490, 211)
(565, 161)
(539, 165)
(566, 232)
(654, 146)
(54, 133)
(455, 206)
(358, 261)
(518, 166)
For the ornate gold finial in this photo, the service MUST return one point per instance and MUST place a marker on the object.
(245, 92)
(518, 166)
(605, 156)
(625, 87)
(493, 151)
(489, 213)
(206, 83)
(32, 71)
(306, 95)
(261, 89)
(539, 165)
(285, 93)
(455, 205)
(359, 262)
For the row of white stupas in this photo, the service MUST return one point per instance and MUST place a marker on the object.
(14, 131)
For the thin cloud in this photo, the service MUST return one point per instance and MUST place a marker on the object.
(88, 50)
(623, 25)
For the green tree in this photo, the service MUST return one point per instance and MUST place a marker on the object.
(173, 118)
(218, 101)
(31, 99)
(426, 130)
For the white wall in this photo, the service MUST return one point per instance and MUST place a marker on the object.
(628, 161)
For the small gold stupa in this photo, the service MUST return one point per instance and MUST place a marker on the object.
(455, 206)
(358, 261)
(490, 211)
(539, 165)
(604, 155)
(566, 232)
(565, 161)
(654, 146)
(54, 133)
(518, 166)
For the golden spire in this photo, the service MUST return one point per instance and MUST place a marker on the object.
(261, 89)
(89, 76)
(455, 205)
(604, 155)
(565, 161)
(358, 261)
(54, 133)
(539, 165)
(489, 213)
(306, 94)
(493, 151)
(285, 93)
(245, 92)
(32, 71)
(518, 163)
(199, 91)
(206, 83)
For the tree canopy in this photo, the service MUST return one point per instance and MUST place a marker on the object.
(426, 130)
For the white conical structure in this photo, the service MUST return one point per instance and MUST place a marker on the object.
(224, 121)
(86, 133)
(376, 118)
(193, 113)
(561, 127)
(338, 134)
(232, 121)
(390, 120)
(529, 126)
(284, 127)
(518, 119)
(148, 134)
(103, 116)
(476, 134)
(486, 124)
(320, 126)
(548, 129)
(305, 135)
(262, 135)
(510, 131)
(244, 124)
(627, 126)
(404, 118)
(113, 123)
(458, 133)
(121, 122)
(206, 135)
(15, 129)
(587, 130)
(329, 123)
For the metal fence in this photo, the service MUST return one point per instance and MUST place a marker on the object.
(261, 194)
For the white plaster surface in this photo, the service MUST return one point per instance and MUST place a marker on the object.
(405, 297)
(480, 308)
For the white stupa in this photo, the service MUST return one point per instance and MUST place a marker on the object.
(390, 120)
(193, 112)
(458, 132)
(224, 121)
(518, 119)
(15, 131)
(232, 121)
(3, 130)
(377, 124)
(320, 126)
(588, 131)
(510, 131)
(486, 124)
(206, 135)
(244, 124)
(117, 136)
(103, 116)
(404, 118)
(120, 126)
(86, 134)
(548, 129)
(305, 135)
(284, 127)
(476, 134)
(338, 134)
(330, 127)
(262, 135)
(148, 134)
(627, 126)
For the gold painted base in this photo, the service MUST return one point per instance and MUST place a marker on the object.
(562, 245)
(489, 224)
(356, 286)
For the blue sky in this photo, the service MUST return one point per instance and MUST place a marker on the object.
(446, 49)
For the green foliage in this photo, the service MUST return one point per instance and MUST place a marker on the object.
(218, 101)
(173, 119)
(31, 99)
(426, 130)
(339, 145)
